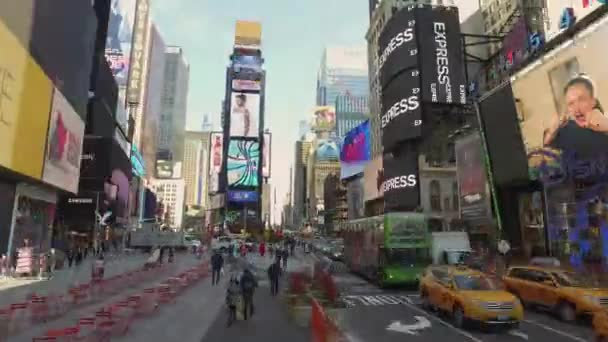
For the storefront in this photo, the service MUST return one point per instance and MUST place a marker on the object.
(31, 226)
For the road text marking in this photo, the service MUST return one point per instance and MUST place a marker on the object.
(518, 334)
(410, 329)
(377, 300)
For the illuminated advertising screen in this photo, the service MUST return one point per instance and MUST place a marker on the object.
(442, 72)
(244, 115)
(564, 128)
(401, 110)
(324, 119)
(355, 151)
(241, 196)
(474, 196)
(398, 46)
(120, 36)
(401, 183)
(216, 159)
(64, 145)
(243, 162)
(251, 62)
(266, 154)
(246, 85)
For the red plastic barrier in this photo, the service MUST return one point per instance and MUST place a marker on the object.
(323, 328)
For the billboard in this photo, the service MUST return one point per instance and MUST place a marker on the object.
(139, 52)
(23, 123)
(564, 131)
(401, 185)
(373, 177)
(241, 196)
(474, 196)
(242, 164)
(64, 145)
(248, 34)
(244, 115)
(442, 72)
(266, 155)
(120, 37)
(216, 159)
(401, 110)
(251, 62)
(324, 119)
(246, 85)
(355, 151)
(398, 45)
(556, 10)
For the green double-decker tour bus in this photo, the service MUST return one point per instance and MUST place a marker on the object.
(390, 249)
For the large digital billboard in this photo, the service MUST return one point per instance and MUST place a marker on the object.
(355, 151)
(474, 197)
(442, 71)
(64, 145)
(244, 115)
(120, 37)
(564, 129)
(401, 110)
(23, 123)
(216, 159)
(243, 163)
(266, 155)
(398, 45)
(324, 119)
(401, 183)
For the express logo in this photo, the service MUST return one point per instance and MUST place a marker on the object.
(396, 42)
(400, 182)
(402, 106)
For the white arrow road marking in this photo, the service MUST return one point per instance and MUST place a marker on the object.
(410, 329)
(559, 332)
(517, 333)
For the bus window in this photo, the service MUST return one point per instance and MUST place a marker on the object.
(407, 257)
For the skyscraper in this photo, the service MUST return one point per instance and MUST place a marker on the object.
(196, 167)
(174, 107)
(343, 71)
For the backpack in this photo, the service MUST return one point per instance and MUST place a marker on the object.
(248, 283)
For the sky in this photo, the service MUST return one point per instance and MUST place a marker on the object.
(294, 34)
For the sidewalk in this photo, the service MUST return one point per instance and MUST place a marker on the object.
(16, 290)
(269, 323)
(183, 262)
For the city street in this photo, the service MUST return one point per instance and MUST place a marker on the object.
(372, 314)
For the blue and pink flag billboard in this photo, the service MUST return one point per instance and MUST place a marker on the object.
(355, 151)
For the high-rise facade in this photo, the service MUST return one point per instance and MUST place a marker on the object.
(302, 150)
(343, 71)
(174, 107)
(351, 111)
(171, 193)
(196, 167)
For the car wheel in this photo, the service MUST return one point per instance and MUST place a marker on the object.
(426, 302)
(458, 316)
(566, 312)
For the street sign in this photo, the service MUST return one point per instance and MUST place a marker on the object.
(410, 329)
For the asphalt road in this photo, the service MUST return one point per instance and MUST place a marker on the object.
(391, 315)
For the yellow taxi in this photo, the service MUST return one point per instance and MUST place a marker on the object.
(469, 296)
(600, 325)
(566, 293)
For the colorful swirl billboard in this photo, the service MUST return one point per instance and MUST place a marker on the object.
(120, 36)
(243, 163)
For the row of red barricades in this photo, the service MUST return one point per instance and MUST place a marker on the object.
(115, 320)
(39, 309)
(324, 329)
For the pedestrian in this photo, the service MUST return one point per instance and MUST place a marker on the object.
(171, 255)
(285, 257)
(262, 249)
(243, 250)
(271, 250)
(233, 299)
(248, 286)
(217, 262)
(274, 272)
(70, 256)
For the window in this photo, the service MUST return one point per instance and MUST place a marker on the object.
(435, 195)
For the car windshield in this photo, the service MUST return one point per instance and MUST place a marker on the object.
(474, 283)
(570, 279)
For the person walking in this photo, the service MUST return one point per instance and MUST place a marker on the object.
(233, 299)
(248, 286)
(262, 249)
(285, 254)
(217, 262)
(274, 272)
